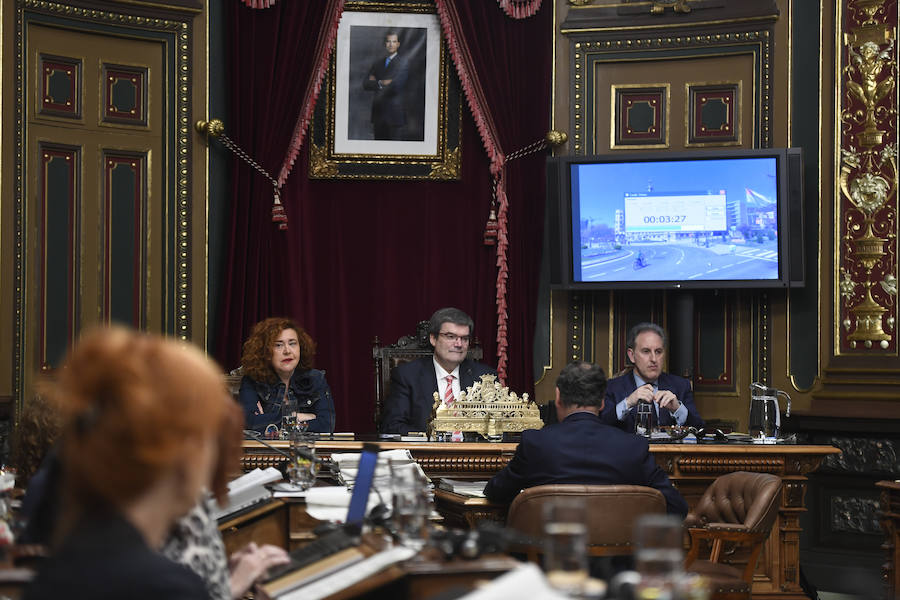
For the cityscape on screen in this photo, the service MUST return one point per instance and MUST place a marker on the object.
(675, 220)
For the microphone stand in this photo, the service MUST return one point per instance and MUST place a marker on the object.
(255, 435)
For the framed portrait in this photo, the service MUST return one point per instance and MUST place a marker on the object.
(390, 107)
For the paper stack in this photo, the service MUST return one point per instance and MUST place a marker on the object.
(248, 489)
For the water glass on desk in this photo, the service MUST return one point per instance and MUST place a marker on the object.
(302, 467)
(659, 553)
(288, 417)
(643, 419)
(411, 503)
(565, 544)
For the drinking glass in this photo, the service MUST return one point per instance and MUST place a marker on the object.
(643, 418)
(411, 503)
(659, 552)
(288, 417)
(565, 544)
(302, 467)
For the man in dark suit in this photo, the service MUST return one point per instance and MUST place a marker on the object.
(671, 396)
(387, 78)
(447, 372)
(580, 448)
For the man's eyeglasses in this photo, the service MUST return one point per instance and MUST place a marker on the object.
(452, 337)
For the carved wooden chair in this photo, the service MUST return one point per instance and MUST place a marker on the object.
(734, 516)
(407, 348)
(613, 510)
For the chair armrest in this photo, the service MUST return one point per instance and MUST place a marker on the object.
(692, 520)
(727, 527)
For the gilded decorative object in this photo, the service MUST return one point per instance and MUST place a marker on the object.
(213, 127)
(868, 178)
(342, 143)
(847, 285)
(487, 408)
(677, 6)
(868, 63)
(868, 315)
(556, 138)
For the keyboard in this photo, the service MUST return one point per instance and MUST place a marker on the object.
(322, 547)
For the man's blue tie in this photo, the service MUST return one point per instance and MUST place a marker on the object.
(387, 61)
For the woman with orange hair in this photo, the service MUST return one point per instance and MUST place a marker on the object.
(277, 365)
(142, 421)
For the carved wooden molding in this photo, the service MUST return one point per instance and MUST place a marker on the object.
(864, 455)
(854, 514)
(718, 464)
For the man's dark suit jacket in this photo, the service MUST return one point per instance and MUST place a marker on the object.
(618, 388)
(582, 450)
(387, 106)
(413, 384)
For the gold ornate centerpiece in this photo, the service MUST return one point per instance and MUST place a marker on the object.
(487, 408)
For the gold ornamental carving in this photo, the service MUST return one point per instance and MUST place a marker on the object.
(868, 179)
(486, 408)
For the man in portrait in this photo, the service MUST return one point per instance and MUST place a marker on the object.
(387, 78)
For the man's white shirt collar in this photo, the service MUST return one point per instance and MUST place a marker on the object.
(441, 375)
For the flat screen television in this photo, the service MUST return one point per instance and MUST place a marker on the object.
(676, 220)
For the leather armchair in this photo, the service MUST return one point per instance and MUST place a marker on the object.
(613, 510)
(736, 511)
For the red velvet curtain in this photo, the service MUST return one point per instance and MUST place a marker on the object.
(371, 258)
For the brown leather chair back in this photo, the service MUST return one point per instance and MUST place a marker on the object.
(612, 512)
(407, 348)
(736, 512)
(749, 499)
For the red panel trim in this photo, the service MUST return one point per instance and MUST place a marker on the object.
(135, 77)
(727, 376)
(72, 68)
(136, 164)
(46, 156)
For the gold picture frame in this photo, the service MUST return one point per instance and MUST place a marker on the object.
(421, 140)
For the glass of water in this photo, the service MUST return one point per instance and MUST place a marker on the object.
(302, 468)
(565, 544)
(411, 505)
(643, 418)
(659, 554)
(288, 417)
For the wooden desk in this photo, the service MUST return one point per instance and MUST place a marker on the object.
(691, 467)
(890, 522)
(264, 524)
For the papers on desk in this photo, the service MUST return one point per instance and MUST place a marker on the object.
(247, 490)
(526, 581)
(286, 489)
(330, 503)
(475, 489)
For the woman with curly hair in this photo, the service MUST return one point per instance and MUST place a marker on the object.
(277, 366)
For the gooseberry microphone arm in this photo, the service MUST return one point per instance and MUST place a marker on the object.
(215, 128)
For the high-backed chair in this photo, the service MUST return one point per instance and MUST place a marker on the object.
(612, 512)
(407, 348)
(736, 511)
